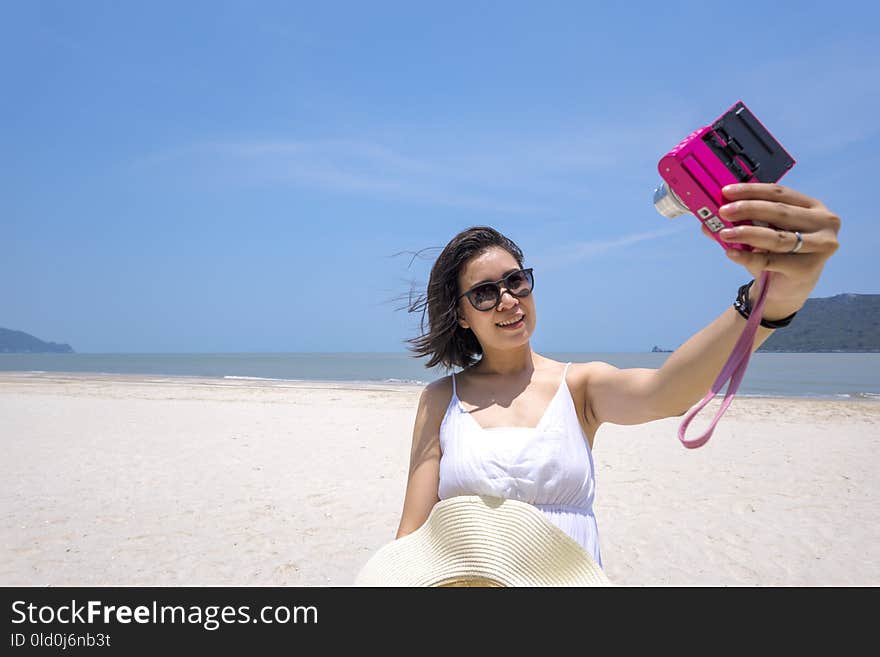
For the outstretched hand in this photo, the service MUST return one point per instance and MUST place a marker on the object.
(795, 270)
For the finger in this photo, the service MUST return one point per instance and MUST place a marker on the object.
(708, 233)
(769, 192)
(782, 215)
(793, 264)
(776, 241)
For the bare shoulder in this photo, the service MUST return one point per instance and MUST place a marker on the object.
(433, 403)
(580, 374)
(437, 394)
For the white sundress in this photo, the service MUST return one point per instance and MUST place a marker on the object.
(549, 466)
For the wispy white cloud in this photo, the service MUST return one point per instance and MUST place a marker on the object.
(347, 166)
(581, 251)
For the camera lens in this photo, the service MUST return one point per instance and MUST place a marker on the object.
(667, 202)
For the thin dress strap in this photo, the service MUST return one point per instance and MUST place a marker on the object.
(565, 371)
(453, 385)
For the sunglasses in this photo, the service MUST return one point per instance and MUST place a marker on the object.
(486, 296)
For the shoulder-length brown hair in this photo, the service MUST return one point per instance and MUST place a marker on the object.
(445, 342)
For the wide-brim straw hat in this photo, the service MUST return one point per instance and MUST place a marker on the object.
(473, 540)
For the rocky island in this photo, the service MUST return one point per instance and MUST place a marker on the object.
(843, 323)
(19, 342)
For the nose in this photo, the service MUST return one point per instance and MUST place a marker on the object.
(508, 297)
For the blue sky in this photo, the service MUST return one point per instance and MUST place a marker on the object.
(237, 176)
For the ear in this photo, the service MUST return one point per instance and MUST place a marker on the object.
(459, 318)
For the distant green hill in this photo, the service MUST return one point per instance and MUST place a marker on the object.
(846, 322)
(19, 342)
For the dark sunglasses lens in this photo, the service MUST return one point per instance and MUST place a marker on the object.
(484, 296)
(519, 283)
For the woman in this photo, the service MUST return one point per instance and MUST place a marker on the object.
(517, 425)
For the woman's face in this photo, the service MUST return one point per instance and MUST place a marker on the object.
(493, 265)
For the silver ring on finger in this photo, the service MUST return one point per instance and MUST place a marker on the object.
(800, 243)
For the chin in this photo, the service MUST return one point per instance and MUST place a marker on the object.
(524, 337)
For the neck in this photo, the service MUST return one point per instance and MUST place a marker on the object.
(508, 362)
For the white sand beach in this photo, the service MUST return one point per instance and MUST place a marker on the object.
(150, 480)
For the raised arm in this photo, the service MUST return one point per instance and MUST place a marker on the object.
(637, 395)
(633, 396)
(424, 465)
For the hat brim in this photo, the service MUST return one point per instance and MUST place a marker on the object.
(473, 540)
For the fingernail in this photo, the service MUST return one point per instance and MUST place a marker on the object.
(734, 253)
(731, 188)
(729, 232)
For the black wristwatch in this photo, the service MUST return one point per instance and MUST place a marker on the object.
(744, 307)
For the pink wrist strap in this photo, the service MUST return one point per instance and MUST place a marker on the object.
(734, 369)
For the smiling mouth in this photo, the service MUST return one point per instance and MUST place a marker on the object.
(515, 324)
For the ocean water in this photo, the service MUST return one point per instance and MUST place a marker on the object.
(825, 375)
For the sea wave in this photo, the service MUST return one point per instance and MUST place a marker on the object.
(808, 395)
(257, 378)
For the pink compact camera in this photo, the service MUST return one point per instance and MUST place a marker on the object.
(736, 148)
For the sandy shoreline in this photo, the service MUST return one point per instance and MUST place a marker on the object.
(160, 480)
